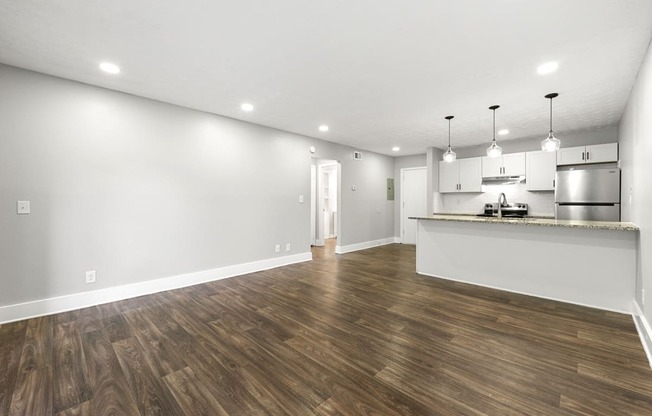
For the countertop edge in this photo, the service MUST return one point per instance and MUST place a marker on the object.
(533, 221)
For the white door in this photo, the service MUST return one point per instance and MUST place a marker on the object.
(413, 202)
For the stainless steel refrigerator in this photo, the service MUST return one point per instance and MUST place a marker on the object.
(588, 194)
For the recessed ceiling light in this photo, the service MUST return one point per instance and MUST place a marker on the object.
(395, 149)
(247, 107)
(110, 68)
(503, 132)
(547, 68)
(323, 127)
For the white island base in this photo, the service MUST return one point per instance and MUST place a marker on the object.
(586, 266)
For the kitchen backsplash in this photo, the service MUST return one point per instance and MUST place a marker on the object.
(539, 203)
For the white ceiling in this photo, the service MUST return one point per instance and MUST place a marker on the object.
(379, 72)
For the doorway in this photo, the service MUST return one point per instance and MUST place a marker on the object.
(324, 193)
(413, 201)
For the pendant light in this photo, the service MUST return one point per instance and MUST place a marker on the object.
(449, 156)
(494, 150)
(551, 143)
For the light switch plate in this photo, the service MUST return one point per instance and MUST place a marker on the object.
(22, 207)
(301, 199)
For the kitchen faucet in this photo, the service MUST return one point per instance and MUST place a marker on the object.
(501, 199)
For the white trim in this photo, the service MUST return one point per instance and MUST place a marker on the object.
(364, 246)
(64, 303)
(625, 311)
(398, 240)
(644, 331)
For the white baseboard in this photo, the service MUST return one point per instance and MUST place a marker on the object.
(398, 240)
(58, 304)
(644, 331)
(363, 246)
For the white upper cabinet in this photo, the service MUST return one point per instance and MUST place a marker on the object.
(449, 176)
(541, 168)
(463, 175)
(597, 153)
(471, 175)
(512, 164)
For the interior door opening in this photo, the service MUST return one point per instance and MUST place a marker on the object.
(325, 202)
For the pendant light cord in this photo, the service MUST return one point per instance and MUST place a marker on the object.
(551, 115)
(449, 134)
(494, 125)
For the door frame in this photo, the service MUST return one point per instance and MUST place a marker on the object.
(319, 240)
(402, 201)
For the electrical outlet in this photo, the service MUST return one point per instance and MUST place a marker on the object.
(301, 199)
(22, 207)
(287, 247)
(278, 248)
(91, 277)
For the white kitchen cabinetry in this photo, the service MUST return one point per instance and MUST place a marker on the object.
(597, 153)
(463, 175)
(512, 164)
(540, 173)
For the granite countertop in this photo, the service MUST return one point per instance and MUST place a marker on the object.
(536, 221)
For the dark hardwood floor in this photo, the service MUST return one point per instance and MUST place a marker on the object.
(359, 333)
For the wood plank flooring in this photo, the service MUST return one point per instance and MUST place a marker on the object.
(351, 334)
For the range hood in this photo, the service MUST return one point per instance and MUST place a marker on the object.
(503, 180)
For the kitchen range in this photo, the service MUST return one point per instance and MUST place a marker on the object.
(504, 210)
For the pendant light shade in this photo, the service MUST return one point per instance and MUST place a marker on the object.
(551, 143)
(494, 150)
(449, 156)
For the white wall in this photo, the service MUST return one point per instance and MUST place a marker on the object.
(140, 190)
(635, 137)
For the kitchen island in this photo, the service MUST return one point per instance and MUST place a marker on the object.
(591, 263)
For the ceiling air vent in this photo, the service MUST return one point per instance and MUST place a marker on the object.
(357, 155)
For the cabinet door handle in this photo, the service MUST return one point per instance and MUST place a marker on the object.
(582, 155)
(587, 155)
(553, 183)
